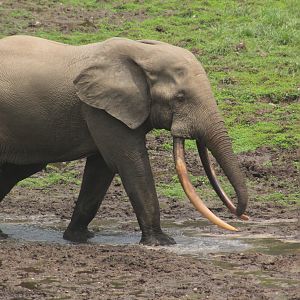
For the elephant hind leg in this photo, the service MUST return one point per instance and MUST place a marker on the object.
(11, 174)
(96, 180)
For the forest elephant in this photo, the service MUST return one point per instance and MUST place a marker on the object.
(98, 101)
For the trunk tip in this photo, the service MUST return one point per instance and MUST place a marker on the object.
(241, 207)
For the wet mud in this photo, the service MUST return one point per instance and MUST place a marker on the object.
(37, 263)
(261, 261)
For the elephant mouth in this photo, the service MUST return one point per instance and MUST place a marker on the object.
(179, 158)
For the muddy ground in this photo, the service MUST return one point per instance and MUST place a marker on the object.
(41, 270)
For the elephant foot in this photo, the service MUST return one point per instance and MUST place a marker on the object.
(78, 235)
(3, 235)
(157, 239)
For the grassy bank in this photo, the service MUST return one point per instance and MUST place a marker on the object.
(250, 50)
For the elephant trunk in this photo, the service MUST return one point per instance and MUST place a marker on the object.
(217, 140)
(203, 153)
(214, 136)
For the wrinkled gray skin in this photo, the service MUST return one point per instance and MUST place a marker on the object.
(61, 103)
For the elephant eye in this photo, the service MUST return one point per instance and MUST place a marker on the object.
(180, 95)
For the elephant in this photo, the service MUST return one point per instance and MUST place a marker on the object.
(98, 101)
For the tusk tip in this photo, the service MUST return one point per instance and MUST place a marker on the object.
(233, 229)
(229, 227)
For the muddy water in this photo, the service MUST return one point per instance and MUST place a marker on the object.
(265, 262)
(186, 244)
(188, 235)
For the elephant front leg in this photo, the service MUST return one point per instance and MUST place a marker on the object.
(97, 178)
(138, 181)
(124, 151)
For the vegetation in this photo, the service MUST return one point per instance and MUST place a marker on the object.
(250, 50)
(52, 175)
(174, 188)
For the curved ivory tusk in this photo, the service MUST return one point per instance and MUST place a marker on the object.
(203, 153)
(178, 151)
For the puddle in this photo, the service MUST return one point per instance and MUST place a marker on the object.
(32, 270)
(274, 246)
(186, 244)
(188, 235)
(265, 278)
(31, 285)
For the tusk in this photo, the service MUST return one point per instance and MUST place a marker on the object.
(178, 151)
(214, 181)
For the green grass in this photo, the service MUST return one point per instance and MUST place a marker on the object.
(174, 189)
(20, 13)
(250, 50)
(86, 4)
(281, 198)
(266, 133)
(51, 177)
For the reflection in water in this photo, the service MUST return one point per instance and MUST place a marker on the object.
(185, 244)
(189, 239)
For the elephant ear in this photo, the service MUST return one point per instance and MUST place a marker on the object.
(118, 86)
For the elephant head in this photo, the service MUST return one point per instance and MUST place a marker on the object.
(151, 82)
